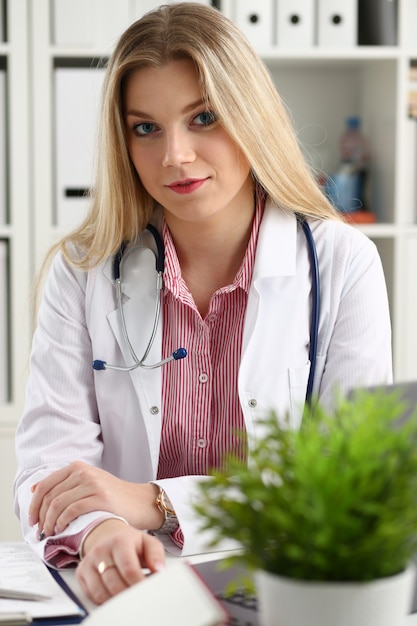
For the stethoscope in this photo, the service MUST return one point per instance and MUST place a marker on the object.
(180, 353)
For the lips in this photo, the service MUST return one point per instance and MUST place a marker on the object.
(187, 185)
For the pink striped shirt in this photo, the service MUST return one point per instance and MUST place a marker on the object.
(201, 412)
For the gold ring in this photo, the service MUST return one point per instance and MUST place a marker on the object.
(102, 566)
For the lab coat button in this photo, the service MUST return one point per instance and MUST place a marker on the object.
(154, 410)
(252, 403)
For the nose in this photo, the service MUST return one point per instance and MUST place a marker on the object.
(178, 148)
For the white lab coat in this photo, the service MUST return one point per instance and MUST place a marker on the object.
(113, 420)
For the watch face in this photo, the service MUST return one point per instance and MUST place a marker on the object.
(166, 503)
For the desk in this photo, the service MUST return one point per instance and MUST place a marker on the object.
(69, 577)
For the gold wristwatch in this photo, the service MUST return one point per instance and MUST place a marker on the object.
(164, 505)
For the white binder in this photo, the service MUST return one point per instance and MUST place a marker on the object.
(90, 23)
(3, 144)
(4, 300)
(337, 23)
(255, 20)
(2, 20)
(295, 23)
(77, 97)
(73, 23)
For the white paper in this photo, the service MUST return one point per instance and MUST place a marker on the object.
(22, 570)
(174, 596)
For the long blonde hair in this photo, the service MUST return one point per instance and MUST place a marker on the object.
(241, 92)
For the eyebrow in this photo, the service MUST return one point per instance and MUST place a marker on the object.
(186, 109)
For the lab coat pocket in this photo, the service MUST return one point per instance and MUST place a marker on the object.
(297, 380)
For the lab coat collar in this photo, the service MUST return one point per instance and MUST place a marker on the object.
(276, 249)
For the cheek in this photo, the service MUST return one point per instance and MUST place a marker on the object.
(142, 161)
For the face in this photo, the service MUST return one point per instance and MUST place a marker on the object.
(186, 161)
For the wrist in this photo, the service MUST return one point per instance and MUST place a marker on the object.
(97, 531)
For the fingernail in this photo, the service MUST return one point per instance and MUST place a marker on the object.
(159, 566)
(33, 487)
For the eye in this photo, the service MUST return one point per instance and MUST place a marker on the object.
(144, 128)
(205, 118)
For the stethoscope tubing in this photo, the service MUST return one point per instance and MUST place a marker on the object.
(180, 353)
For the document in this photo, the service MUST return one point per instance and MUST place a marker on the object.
(22, 571)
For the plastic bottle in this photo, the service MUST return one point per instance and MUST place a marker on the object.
(347, 186)
(354, 146)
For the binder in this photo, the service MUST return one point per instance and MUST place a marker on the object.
(295, 23)
(337, 23)
(90, 23)
(77, 96)
(410, 28)
(4, 322)
(2, 21)
(73, 23)
(255, 20)
(377, 22)
(3, 149)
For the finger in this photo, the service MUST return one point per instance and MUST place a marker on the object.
(153, 553)
(54, 503)
(126, 554)
(91, 582)
(40, 490)
(113, 580)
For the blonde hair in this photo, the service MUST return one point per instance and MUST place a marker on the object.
(240, 91)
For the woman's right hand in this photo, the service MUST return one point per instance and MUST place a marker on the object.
(113, 557)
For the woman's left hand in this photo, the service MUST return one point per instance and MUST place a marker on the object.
(80, 488)
(114, 557)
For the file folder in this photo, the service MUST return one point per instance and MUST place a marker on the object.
(77, 98)
(337, 23)
(3, 148)
(377, 21)
(295, 23)
(90, 23)
(4, 322)
(2, 14)
(255, 20)
(73, 23)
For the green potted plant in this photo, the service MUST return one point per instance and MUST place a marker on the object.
(328, 512)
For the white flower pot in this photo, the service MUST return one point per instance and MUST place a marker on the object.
(288, 602)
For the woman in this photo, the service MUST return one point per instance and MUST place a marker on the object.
(195, 141)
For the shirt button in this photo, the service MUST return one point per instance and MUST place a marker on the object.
(252, 403)
(201, 443)
(203, 378)
(154, 410)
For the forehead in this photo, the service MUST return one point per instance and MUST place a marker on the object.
(175, 82)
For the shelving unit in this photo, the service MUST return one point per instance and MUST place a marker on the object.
(15, 233)
(321, 86)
